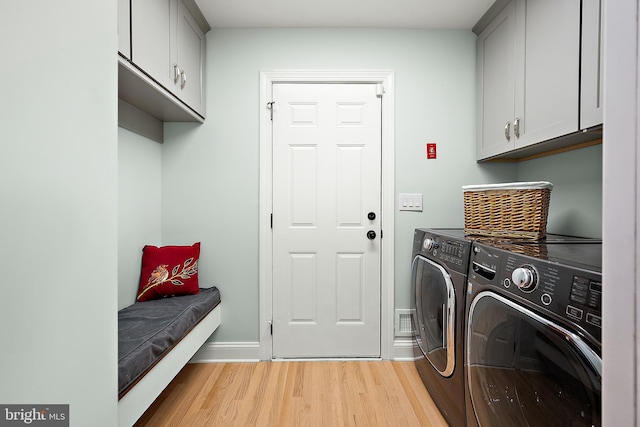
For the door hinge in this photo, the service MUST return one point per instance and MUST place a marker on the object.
(270, 107)
(272, 221)
(379, 90)
(270, 323)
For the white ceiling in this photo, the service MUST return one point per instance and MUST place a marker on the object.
(451, 14)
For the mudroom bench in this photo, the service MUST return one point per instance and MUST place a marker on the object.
(156, 339)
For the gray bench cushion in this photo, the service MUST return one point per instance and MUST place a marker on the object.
(148, 330)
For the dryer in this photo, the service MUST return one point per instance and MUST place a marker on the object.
(440, 259)
(533, 352)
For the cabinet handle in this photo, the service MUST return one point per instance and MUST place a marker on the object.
(516, 127)
(176, 73)
(507, 131)
(183, 82)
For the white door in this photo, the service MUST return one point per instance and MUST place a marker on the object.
(326, 187)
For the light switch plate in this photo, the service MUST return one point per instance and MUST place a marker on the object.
(410, 202)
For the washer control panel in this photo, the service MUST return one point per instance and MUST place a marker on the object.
(525, 277)
(571, 293)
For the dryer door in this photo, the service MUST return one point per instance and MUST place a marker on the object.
(435, 311)
(523, 369)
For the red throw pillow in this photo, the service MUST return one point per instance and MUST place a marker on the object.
(168, 271)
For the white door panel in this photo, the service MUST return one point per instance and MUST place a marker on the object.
(326, 179)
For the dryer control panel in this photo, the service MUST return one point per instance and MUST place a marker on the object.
(451, 252)
(438, 246)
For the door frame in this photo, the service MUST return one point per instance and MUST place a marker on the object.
(265, 256)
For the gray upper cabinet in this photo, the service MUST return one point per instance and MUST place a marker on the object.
(591, 74)
(189, 60)
(529, 87)
(151, 38)
(496, 84)
(165, 72)
(547, 70)
(124, 31)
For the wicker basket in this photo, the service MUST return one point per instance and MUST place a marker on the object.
(511, 210)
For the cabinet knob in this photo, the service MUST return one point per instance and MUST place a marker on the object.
(176, 73)
(507, 131)
(183, 79)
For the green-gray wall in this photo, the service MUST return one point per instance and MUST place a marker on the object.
(576, 198)
(139, 207)
(58, 207)
(210, 177)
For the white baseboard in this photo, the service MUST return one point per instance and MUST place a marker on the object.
(249, 351)
(227, 352)
(403, 350)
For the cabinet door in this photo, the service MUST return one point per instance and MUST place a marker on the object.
(547, 69)
(190, 57)
(124, 28)
(495, 68)
(591, 73)
(151, 45)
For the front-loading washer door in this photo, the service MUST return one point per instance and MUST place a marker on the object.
(435, 312)
(525, 370)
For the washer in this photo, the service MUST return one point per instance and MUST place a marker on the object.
(439, 277)
(533, 349)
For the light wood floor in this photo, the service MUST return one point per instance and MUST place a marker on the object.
(314, 393)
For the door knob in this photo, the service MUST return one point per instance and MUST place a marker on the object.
(371, 234)
(371, 215)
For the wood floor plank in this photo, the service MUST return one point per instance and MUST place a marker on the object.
(276, 405)
(296, 393)
(373, 378)
(375, 411)
(423, 408)
(336, 393)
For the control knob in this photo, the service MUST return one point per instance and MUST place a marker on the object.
(429, 244)
(525, 278)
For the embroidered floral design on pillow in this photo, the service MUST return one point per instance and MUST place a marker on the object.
(160, 275)
(168, 271)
